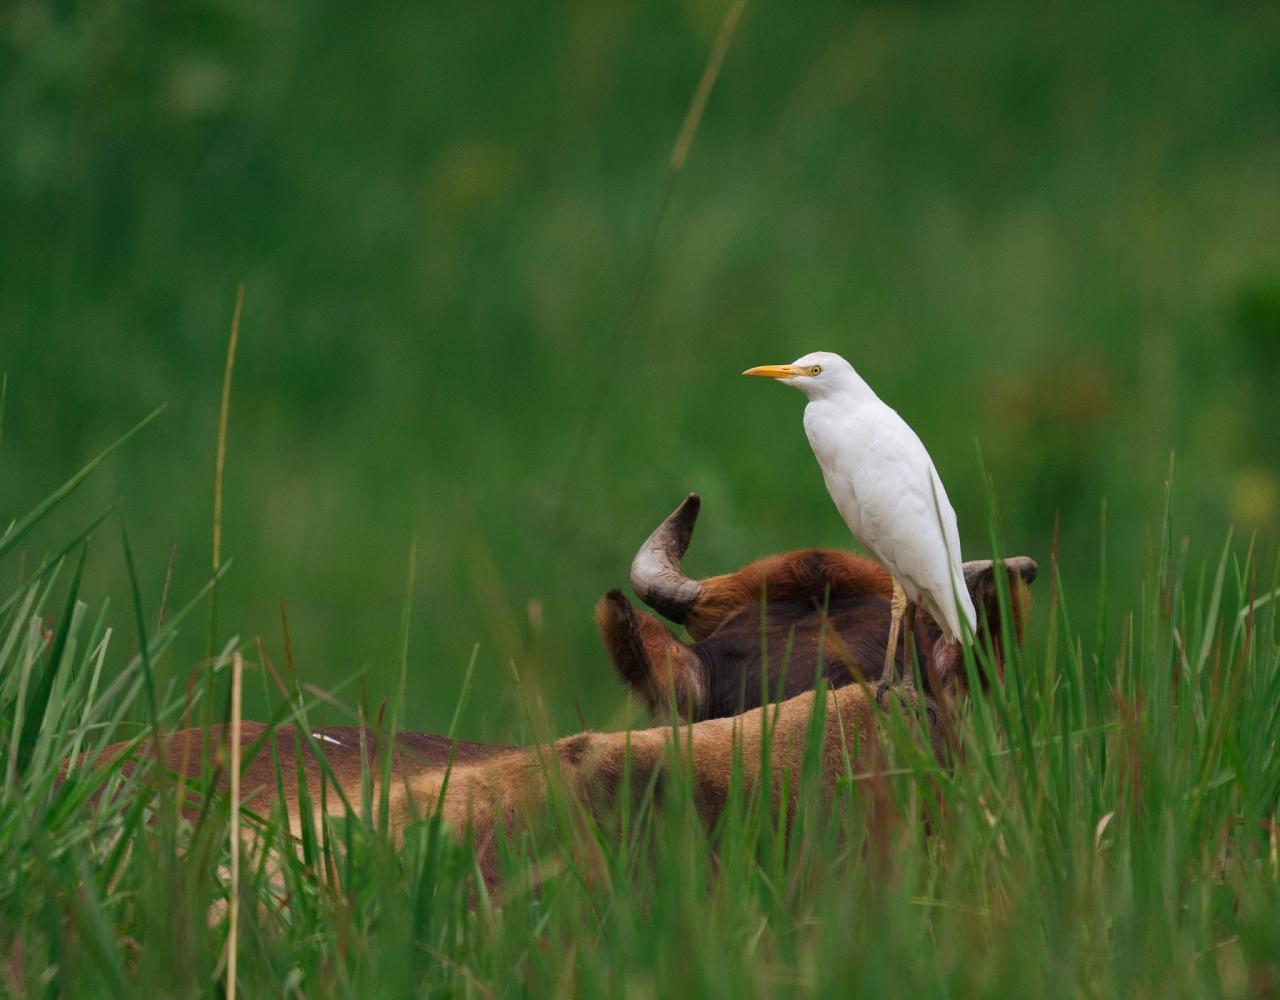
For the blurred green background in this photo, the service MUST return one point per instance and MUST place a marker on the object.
(1054, 232)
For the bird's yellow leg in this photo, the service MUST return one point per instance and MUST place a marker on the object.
(897, 607)
(908, 644)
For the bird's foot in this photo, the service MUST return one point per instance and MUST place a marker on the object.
(884, 688)
(889, 683)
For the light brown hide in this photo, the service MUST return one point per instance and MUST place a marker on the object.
(492, 787)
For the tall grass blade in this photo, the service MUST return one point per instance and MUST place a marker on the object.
(40, 699)
(220, 462)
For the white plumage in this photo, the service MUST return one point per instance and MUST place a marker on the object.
(883, 483)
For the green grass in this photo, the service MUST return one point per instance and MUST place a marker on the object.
(1110, 830)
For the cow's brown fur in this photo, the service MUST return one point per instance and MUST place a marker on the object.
(808, 575)
(781, 646)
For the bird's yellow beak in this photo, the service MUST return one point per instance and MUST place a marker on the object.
(774, 371)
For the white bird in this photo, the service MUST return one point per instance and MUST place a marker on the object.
(887, 490)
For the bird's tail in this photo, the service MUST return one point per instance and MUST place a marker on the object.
(957, 608)
(965, 602)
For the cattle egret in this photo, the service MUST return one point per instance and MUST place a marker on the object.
(886, 489)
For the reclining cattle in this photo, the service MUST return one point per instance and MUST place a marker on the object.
(801, 613)
(828, 610)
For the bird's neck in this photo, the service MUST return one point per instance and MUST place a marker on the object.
(852, 393)
(856, 385)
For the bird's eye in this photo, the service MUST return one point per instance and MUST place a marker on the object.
(815, 369)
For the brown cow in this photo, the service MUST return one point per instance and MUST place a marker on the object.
(831, 608)
(768, 630)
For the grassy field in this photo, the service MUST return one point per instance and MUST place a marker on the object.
(1110, 829)
(490, 338)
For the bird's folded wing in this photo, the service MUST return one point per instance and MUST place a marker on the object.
(905, 516)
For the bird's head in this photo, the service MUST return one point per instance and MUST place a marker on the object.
(817, 375)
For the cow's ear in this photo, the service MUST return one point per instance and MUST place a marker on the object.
(662, 671)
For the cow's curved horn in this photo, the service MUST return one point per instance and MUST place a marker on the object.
(655, 571)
